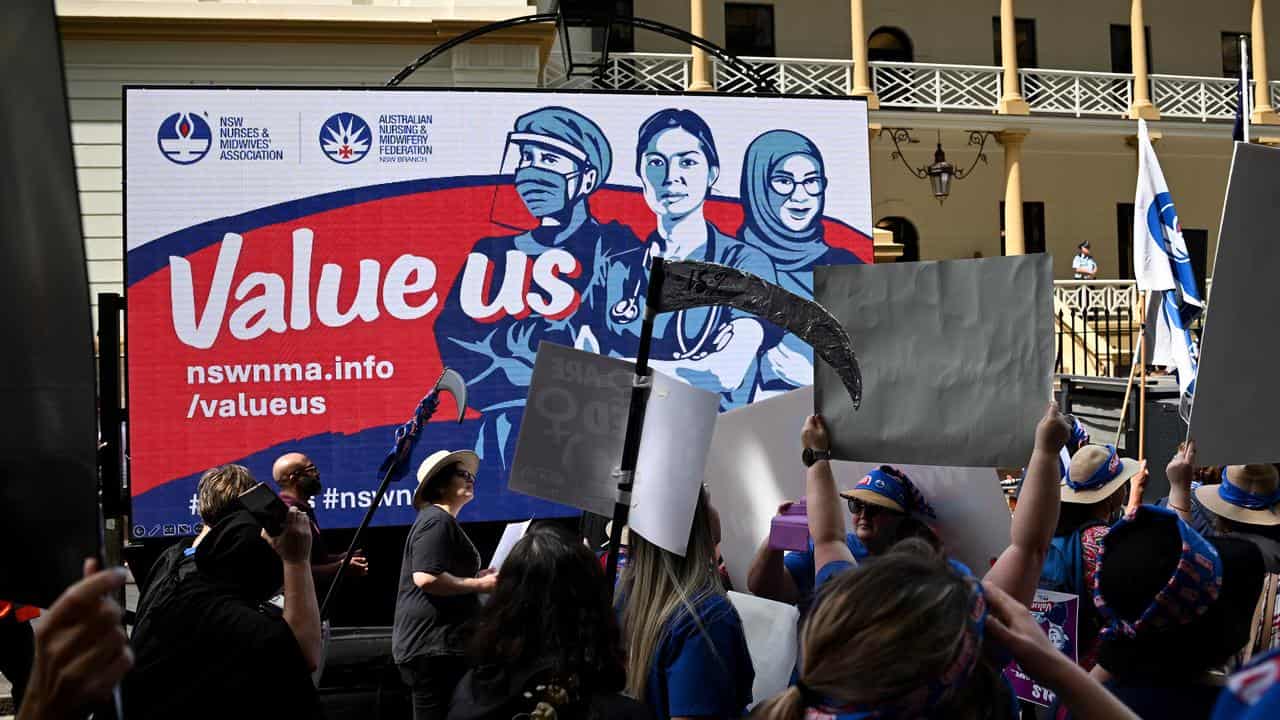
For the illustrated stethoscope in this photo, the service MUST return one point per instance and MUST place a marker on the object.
(628, 309)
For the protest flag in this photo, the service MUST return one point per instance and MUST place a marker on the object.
(1162, 267)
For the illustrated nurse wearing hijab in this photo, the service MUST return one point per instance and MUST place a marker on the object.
(784, 186)
(717, 348)
(560, 159)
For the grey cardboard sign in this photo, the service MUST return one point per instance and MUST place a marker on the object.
(957, 360)
(574, 422)
(1236, 393)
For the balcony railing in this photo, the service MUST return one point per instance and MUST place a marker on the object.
(792, 76)
(936, 87)
(1097, 323)
(927, 86)
(1195, 97)
(1071, 92)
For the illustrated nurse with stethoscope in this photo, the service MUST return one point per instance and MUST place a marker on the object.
(716, 348)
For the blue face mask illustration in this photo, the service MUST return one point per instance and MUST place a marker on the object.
(544, 192)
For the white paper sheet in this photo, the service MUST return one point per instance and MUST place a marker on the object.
(510, 536)
(678, 424)
(572, 435)
(771, 629)
(755, 465)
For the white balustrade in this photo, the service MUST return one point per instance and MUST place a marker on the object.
(624, 71)
(936, 87)
(790, 76)
(1096, 295)
(921, 86)
(1077, 93)
(1202, 98)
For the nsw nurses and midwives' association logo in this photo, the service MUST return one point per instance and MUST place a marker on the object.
(184, 138)
(345, 138)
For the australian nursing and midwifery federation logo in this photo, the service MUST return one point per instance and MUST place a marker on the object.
(346, 138)
(184, 138)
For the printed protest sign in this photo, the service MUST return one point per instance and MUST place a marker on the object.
(299, 261)
(1058, 614)
(956, 356)
(571, 441)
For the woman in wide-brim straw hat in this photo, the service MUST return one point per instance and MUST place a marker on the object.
(1243, 504)
(1093, 492)
(440, 581)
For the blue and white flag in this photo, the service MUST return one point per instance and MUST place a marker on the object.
(1162, 266)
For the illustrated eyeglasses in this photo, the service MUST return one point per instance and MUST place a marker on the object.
(466, 475)
(786, 185)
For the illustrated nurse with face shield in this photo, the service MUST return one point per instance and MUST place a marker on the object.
(783, 191)
(491, 325)
(713, 348)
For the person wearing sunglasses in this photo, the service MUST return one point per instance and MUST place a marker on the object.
(299, 481)
(885, 507)
(441, 579)
(783, 190)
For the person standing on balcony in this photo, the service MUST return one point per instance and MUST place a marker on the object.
(1084, 265)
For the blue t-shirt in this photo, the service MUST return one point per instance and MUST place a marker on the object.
(800, 565)
(695, 674)
(830, 571)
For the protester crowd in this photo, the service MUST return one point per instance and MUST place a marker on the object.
(1178, 596)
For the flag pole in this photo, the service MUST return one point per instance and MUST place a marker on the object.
(1245, 98)
(1142, 397)
(640, 386)
(1140, 349)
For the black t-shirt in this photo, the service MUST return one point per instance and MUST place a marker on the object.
(204, 653)
(474, 700)
(428, 624)
(1170, 702)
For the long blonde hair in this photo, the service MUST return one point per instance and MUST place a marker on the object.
(657, 585)
(881, 632)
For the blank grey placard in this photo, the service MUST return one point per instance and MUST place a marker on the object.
(957, 359)
(1236, 394)
(574, 422)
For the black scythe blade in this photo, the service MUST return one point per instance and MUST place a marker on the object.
(691, 284)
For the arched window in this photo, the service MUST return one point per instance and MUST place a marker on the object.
(904, 233)
(890, 44)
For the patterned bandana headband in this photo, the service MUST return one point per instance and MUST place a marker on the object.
(928, 697)
(895, 485)
(1191, 589)
(1238, 496)
(1105, 473)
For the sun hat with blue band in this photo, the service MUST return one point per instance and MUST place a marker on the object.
(889, 487)
(1096, 473)
(1194, 583)
(1248, 494)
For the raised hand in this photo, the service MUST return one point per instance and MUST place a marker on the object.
(82, 650)
(814, 434)
(1053, 431)
(1181, 469)
(293, 544)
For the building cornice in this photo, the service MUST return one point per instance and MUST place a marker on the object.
(290, 30)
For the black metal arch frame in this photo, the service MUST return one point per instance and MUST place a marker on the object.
(763, 83)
